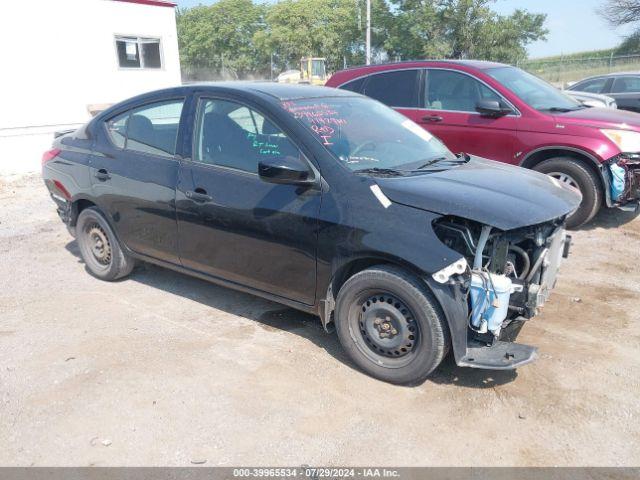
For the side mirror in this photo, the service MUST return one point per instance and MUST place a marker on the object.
(285, 170)
(491, 108)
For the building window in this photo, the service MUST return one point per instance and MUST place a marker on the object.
(136, 52)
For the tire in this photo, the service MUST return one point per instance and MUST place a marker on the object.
(583, 178)
(386, 295)
(100, 248)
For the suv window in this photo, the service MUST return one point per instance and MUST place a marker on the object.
(626, 84)
(395, 89)
(232, 135)
(151, 129)
(454, 91)
(594, 85)
(354, 85)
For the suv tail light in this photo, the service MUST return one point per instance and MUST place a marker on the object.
(50, 155)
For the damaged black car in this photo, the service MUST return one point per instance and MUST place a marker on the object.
(328, 202)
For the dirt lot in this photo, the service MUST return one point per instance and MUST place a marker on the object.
(164, 369)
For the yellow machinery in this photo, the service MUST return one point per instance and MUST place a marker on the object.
(312, 71)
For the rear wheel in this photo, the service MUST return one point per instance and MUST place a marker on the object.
(576, 174)
(99, 247)
(390, 325)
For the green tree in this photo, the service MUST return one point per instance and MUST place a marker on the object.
(219, 38)
(238, 38)
(321, 28)
(463, 29)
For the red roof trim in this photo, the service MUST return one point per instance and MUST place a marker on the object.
(156, 3)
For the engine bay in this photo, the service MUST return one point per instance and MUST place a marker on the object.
(513, 271)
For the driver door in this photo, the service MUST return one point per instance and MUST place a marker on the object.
(232, 224)
(449, 112)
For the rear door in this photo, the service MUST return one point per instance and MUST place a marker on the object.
(626, 91)
(232, 224)
(449, 112)
(134, 173)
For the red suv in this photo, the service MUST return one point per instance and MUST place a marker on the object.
(506, 114)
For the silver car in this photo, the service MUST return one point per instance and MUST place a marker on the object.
(592, 99)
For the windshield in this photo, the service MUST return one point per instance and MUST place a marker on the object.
(365, 134)
(534, 91)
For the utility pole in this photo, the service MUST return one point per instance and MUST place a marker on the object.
(368, 41)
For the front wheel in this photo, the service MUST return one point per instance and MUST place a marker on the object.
(577, 175)
(100, 248)
(391, 325)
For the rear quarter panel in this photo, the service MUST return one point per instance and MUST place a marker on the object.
(71, 166)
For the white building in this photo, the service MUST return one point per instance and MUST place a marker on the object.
(59, 57)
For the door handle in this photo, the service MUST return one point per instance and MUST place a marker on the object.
(102, 174)
(432, 118)
(198, 195)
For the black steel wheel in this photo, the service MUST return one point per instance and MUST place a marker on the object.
(391, 325)
(99, 247)
(388, 331)
(99, 244)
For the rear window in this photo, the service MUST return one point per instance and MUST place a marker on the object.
(151, 129)
(353, 85)
(395, 89)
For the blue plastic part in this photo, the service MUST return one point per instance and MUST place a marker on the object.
(490, 296)
(617, 181)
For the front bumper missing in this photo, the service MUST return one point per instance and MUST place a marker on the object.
(629, 200)
(486, 351)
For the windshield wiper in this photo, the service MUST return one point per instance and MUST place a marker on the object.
(431, 162)
(380, 171)
(462, 157)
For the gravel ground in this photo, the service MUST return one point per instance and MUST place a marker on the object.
(164, 369)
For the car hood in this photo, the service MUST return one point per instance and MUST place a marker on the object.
(593, 96)
(601, 117)
(492, 193)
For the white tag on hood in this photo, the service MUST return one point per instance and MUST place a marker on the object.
(382, 198)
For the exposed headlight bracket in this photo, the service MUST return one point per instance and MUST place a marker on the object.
(456, 268)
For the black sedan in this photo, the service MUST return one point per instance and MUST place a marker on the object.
(325, 201)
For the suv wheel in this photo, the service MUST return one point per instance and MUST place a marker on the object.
(99, 247)
(390, 325)
(576, 174)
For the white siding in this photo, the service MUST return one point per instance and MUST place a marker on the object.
(59, 56)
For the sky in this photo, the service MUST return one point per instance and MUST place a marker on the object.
(574, 25)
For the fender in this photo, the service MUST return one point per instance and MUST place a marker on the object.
(598, 164)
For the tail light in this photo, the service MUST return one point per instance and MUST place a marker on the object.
(50, 155)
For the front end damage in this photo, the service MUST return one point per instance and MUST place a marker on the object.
(505, 277)
(622, 174)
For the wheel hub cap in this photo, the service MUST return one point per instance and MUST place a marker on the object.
(387, 326)
(564, 178)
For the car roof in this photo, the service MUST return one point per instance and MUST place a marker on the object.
(478, 64)
(270, 91)
(608, 75)
(622, 74)
(279, 91)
